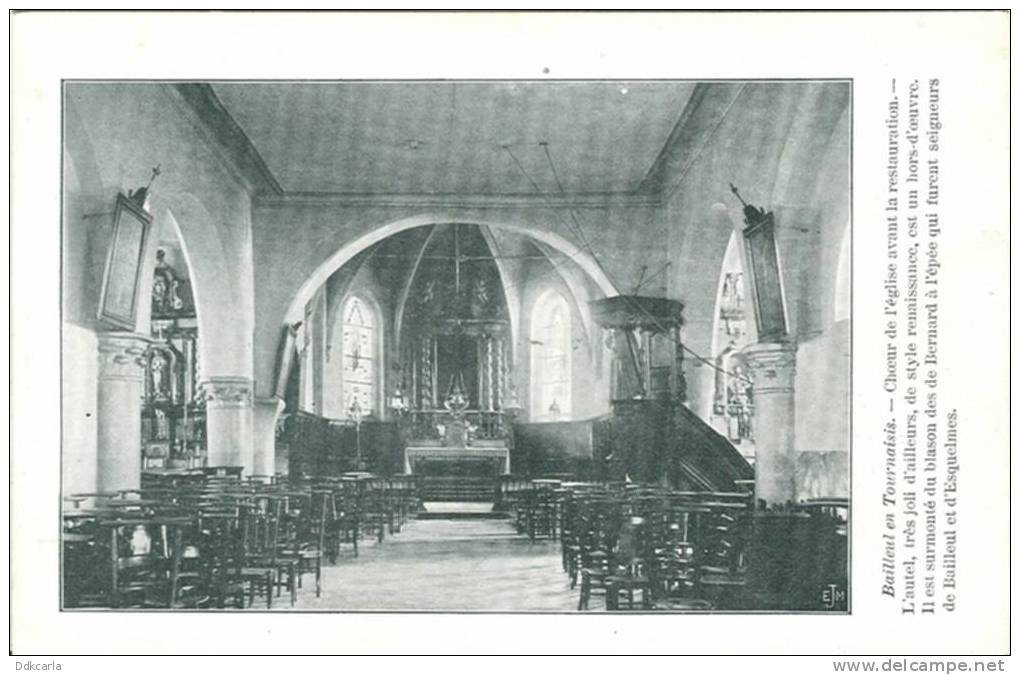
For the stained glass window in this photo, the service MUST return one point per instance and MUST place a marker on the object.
(359, 356)
(550, 358)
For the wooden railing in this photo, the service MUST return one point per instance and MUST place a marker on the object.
(320, 446)
(646, 440)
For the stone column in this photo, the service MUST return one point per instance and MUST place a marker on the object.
(772, 370)
(228, 406)
(121, 382)
(266, 413)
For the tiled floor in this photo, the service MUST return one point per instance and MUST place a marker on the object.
(472, 565)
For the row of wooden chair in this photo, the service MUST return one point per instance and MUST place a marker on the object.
(640, 546)
(214, 540)
(666, 547)
(651, 547)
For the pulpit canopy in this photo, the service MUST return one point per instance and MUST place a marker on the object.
(627, 312)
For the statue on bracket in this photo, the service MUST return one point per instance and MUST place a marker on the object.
(170, 294)
(163, 374)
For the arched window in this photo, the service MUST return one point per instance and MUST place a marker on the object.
(360, 356)
(550, 358)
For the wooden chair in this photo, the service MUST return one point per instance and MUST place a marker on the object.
(346, 518)
(304, 543)
(257, 563)
(222, 552)
(721, 540)
(85, 562)
(541, 508)
(598, 541)
(145, 559)
(629, 575)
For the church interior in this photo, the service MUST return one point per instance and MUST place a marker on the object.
(511, 346)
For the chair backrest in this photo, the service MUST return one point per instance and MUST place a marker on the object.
(260, 527)
(145, 559)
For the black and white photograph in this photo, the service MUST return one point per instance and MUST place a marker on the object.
(495, 346)
(464, 332)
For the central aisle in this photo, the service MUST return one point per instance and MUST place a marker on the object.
(459, 564)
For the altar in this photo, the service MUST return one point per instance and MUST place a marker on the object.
(496, 454)
(456, 367)
(475, 438)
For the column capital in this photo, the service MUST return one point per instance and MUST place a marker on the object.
(122, 355)
(227, 392)
(773, 367)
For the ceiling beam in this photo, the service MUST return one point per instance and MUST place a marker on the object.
(705, 110)
(542, 201)
(209, 111)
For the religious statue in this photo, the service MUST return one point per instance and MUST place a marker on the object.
(727, 288)
(479, 298)
(158, 366)
(159, 291)
(746, 412)
(731, 306)
(739, 406)
(430, 302)
(168, 288)
(162, 425)
(162, 279)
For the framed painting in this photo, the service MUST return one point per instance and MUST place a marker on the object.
(122, 278)
(766, 280)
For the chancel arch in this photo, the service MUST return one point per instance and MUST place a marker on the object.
(346, 252)
(421, 326)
